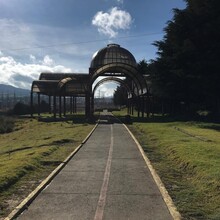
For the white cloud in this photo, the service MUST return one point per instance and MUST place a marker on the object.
(32, 58)
(109, 23)
(47, 61)
(7, 60)
(21, 75)
(20, 39)
(106, 90)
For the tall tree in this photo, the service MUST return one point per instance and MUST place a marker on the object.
(120, 96)
(187, 68)
(143, 67)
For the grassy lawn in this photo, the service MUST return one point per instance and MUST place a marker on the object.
(31, 152)
(186, 156)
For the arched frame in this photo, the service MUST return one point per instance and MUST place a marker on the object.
(116, 80)
(111, 62)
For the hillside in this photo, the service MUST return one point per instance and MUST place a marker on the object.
(11, 90)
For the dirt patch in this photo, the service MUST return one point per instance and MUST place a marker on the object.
(62, 142)
(19, 193)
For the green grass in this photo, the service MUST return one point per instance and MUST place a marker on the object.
(31, 152)
(186, 156)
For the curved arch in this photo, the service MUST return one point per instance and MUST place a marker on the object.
(121, 69)
(71, 85)
(64, 81)
(108, 79)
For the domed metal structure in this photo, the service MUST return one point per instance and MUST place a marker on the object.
(111, 62)
(113, 53)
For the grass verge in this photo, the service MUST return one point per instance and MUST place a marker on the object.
(186, 156)
(31, 152)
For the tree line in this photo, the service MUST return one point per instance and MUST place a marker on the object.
(186, 73)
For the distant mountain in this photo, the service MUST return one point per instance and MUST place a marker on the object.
(11, 90)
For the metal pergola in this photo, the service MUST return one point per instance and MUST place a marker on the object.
(110, 62)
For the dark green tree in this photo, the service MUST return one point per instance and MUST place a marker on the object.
(21, 109)
(120, 96)
(143, 67)
(187, 68)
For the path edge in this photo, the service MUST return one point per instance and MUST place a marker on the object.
(30, 198)
(166, 197)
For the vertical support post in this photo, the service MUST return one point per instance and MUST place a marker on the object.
(92, 105)
(38, 103)
(87, 105)
(145, 105)
(132, 106)
(152, 107)
(60, 106)
(138, 106)
(75, 104)
(64, 105)
(130, 103)
(71, 105)
(49, 104)
(32, 104)
(127, 106)
(142, 106)
(148, 106)
(54, 106)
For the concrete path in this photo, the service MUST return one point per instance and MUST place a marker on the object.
(107, 179)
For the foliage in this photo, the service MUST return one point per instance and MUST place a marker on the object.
(6, 124)
(21, 109)
(143, 67)
(44, 106)
(120, 96)
(187, 69)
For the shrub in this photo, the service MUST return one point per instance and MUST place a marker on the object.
(6, 124)
(21, 109)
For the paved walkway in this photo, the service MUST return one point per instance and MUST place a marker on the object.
(107, 179)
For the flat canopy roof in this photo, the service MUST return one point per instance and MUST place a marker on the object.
(67, 84)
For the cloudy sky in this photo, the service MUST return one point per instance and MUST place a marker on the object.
(61, 36)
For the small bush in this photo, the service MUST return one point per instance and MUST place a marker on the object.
(21, 109)
(6, 124)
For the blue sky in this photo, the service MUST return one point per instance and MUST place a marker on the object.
(62, 36)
